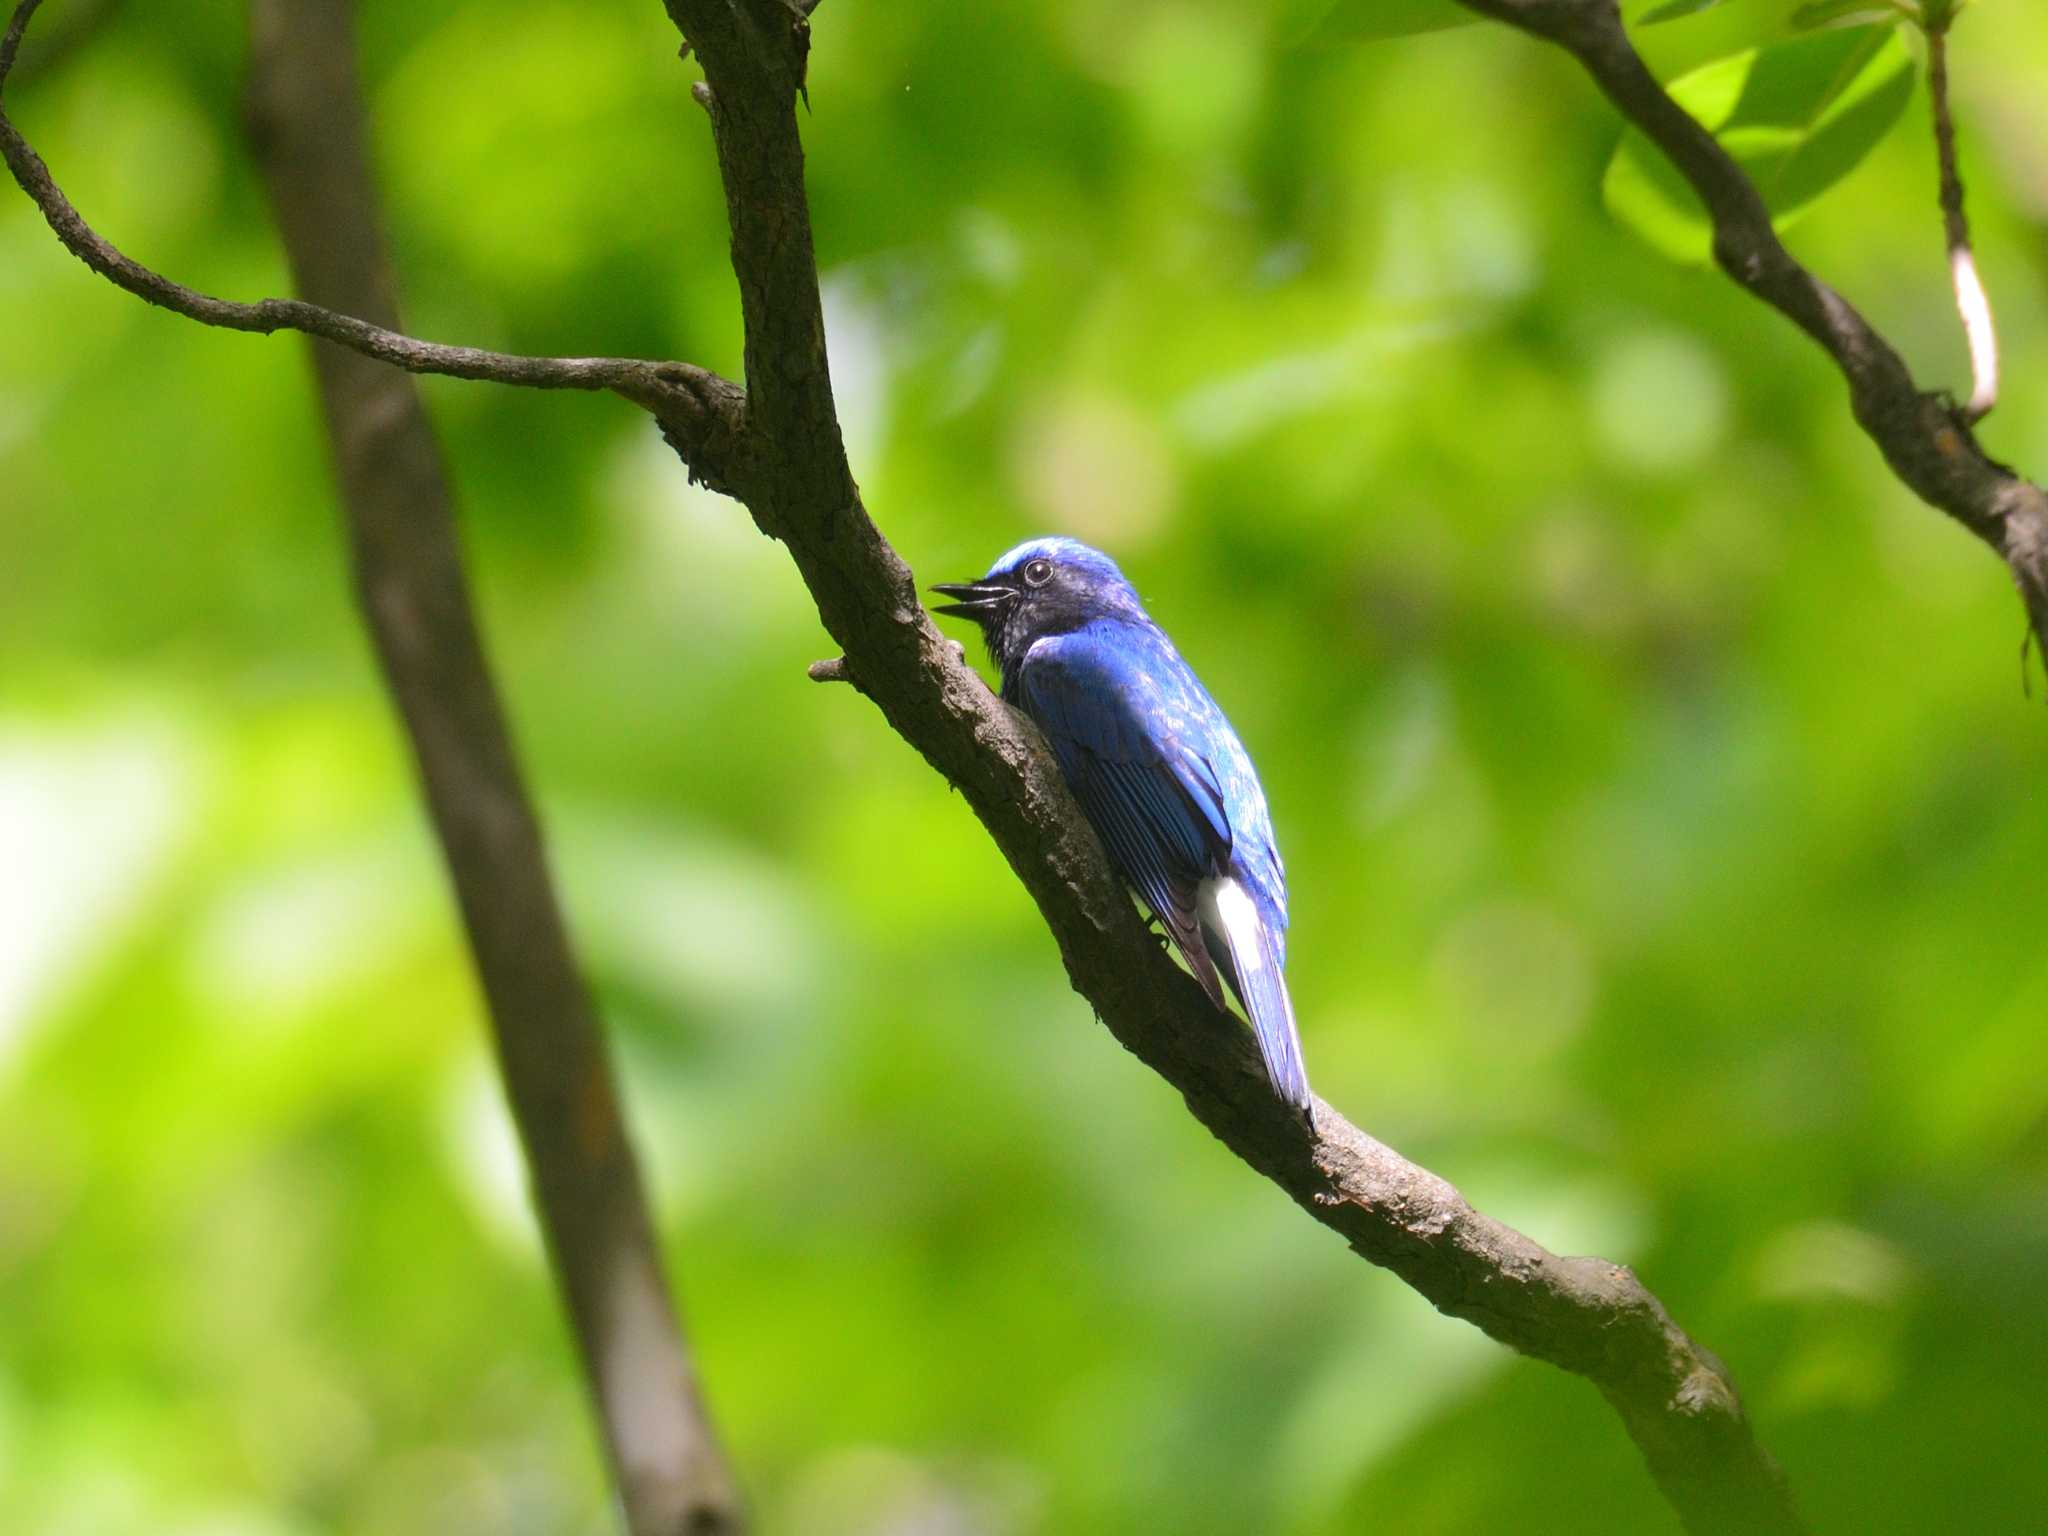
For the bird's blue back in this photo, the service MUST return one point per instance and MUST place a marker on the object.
(1153, 760)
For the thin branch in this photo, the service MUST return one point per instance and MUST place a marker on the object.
(306, 123)
(1924, 438)
(1972, 303)
(697, 406)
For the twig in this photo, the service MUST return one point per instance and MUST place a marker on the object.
(1972, 303)
(306, 120)
(704, 409)
(1921, 434)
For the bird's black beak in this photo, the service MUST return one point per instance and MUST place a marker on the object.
(979, 600)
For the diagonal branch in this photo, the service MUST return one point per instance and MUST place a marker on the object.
(1586, 1315)
(306, 119)
(1924, 437)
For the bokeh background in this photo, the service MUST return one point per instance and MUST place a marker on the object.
(1660, 798)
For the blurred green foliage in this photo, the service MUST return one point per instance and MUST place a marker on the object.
(1797, 115)
(1661, 806)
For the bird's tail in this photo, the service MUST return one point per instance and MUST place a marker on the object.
(1243, 948)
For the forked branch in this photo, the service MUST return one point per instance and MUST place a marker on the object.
(1924, 437)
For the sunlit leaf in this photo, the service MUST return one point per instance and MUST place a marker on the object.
(1798, 116)
(1672, 10)
(1847, 13)
(1323, 22)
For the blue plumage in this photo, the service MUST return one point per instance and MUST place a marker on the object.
(1157, 769)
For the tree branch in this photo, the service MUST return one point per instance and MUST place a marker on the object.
(1924, 437)
(789, 465)
(1972, 303)
(306, 123)
(1586, 1315)
(701, 411)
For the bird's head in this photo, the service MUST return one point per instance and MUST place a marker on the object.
(1042, 587)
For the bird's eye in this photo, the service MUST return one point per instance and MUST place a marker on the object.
(1038, 572)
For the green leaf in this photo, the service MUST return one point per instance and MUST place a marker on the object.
(1842, 13)
(1798, 116)
(1672, 10)
(1321, 23)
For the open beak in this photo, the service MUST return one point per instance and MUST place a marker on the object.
(977, 599)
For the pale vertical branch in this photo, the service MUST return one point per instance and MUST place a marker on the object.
(1972, 303)
(306, 123)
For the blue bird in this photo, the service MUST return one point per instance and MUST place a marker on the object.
(1158, 771)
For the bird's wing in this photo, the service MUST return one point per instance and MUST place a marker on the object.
(1169, 789)
(1119, 723)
